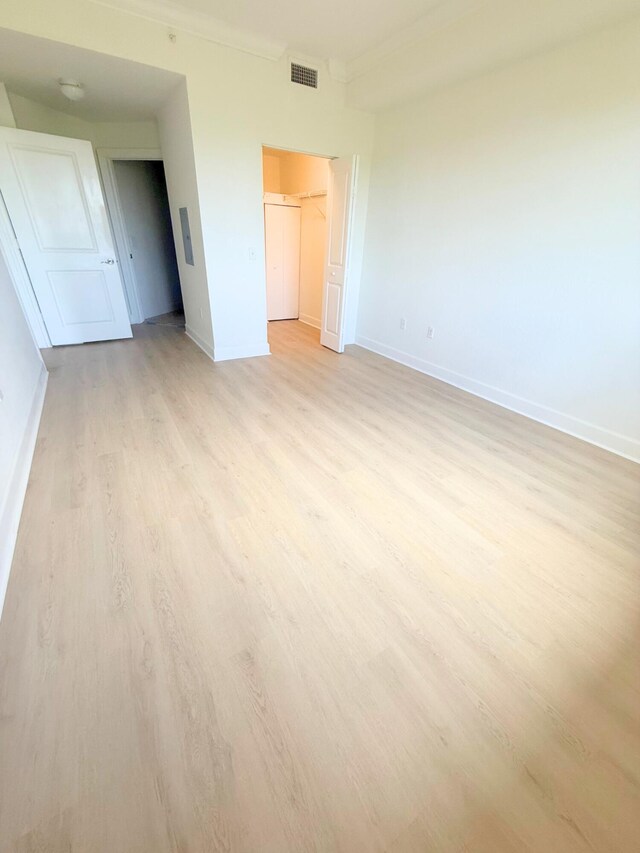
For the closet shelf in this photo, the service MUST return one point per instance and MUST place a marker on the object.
(312, 194)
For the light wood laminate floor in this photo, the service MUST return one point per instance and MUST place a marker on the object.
(314, 602)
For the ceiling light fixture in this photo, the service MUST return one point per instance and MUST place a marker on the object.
(72, 89)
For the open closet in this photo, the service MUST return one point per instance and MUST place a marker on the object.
(295, 219)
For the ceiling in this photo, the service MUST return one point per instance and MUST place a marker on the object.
(355, 35)
(340, 29)
(463, 39)
(388, 51)
(117, 89)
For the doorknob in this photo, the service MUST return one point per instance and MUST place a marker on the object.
(108, 261)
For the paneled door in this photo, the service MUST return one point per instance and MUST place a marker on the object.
(53, 195)
(282, 252)
(339, 204)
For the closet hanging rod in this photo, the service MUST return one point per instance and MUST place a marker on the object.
(311, 194)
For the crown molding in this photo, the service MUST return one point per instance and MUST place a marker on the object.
(199, 24)
(210, 28)
(437, 18)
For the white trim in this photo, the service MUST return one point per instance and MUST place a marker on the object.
(346, 288)
(18, 480)
(115, 214)
(621, 445)
(199, 342)
(241, 351)
(21, 281)
(309, 321)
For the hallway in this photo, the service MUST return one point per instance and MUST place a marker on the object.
(313, 602)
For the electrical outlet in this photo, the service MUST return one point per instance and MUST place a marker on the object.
(430, 333)
(403, 323)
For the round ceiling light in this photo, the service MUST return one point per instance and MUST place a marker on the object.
(71, 89)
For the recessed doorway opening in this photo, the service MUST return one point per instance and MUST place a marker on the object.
(138, 203)
(307, 210)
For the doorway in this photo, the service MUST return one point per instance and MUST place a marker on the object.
(138, 203)
(307, 202)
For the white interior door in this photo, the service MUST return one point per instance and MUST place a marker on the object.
(282, 252)
(339, 201)
(53, 196)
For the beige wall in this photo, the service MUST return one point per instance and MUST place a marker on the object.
(271, 173)
(303, 173)
(291, 172)
(313, 241)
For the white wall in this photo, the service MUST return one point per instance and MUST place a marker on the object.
(174, 124)
(505, 213)
(238, 103)
(30, 115)
(145, 206)
(7, 118)
(22, 384)
(260, 107)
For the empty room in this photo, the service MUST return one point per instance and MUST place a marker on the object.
(320, 426)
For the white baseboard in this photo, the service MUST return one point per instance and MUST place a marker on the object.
(241, 351)
(309, 321)
(622, 445)
(12, 510)
(228, 353)
(199, 342)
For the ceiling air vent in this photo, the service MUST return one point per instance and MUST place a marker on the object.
(304, 76)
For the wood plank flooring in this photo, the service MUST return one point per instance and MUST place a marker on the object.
(314, 602)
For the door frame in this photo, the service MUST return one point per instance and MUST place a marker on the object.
(352, 208)
(106, 157)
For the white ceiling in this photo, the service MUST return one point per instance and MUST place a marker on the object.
(387, 50)
(467, 39)
(356, 34)
(117, 90)
(340, 29)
